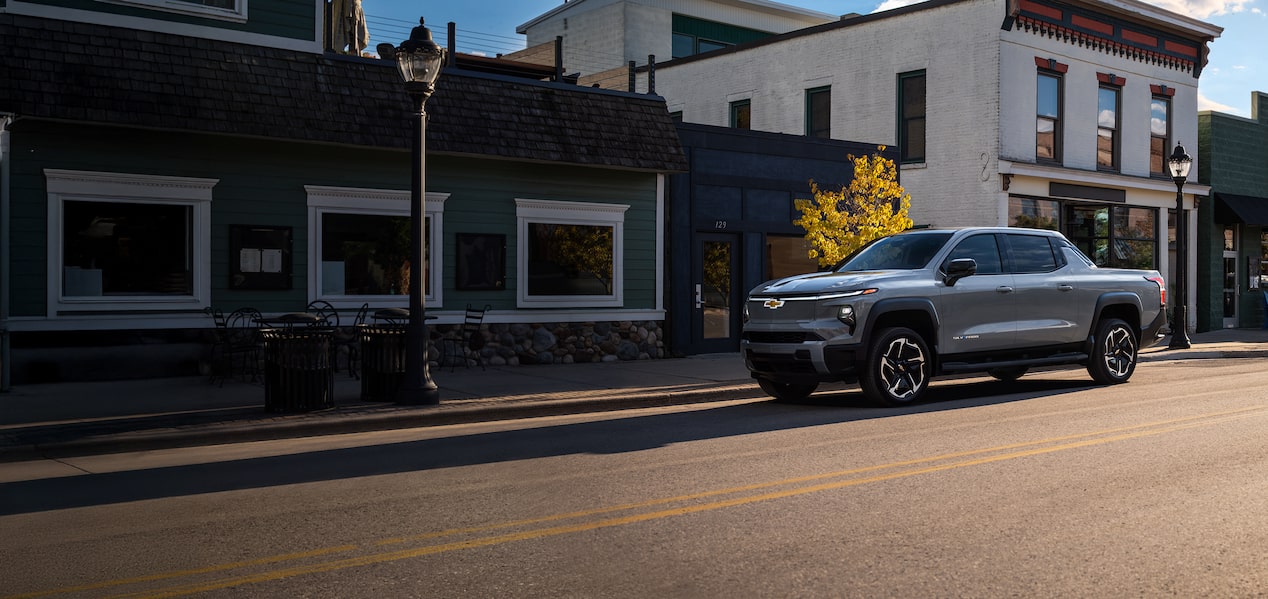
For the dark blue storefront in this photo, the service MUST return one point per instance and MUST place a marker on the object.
(730, 223)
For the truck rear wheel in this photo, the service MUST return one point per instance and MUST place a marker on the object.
(1114, 349)
(787, 392)
(897, 369)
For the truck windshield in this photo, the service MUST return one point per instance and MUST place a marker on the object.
(897, 252)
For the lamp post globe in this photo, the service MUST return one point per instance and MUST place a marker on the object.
(419, 60)
(1178, 164)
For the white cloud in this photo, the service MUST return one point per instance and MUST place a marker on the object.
(1203, 9)
(892, 4)
(1198, 9)
(1206, 104)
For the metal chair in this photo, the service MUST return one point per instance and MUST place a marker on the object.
(468, 343)
(240, 342)
(327, 314)
(351, 339)
(219, 340)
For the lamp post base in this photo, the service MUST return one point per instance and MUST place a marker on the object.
(1179, 332)
(418, 396)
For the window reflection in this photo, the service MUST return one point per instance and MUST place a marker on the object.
(1033, 213)
(1118, 236)
(1107, 128)
(569, 259)
(788, 255)
(367, 254)
(122, 248)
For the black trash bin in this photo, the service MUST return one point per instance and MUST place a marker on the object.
(299, 369)
(382, 361)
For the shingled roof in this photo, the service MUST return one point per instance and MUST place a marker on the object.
(84, 72)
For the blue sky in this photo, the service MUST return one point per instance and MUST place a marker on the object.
(1235, 70)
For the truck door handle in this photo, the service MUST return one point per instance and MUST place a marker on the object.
(1065, 287)
(1004, 289)
(699, 297)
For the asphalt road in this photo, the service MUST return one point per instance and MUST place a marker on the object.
(1047, 487)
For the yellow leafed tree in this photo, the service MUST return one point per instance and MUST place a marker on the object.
(873, 205)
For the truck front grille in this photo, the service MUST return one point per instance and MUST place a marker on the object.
(781, 336)
(780, 363)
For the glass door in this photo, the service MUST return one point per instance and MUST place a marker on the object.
(715, 312)
(1229, 294)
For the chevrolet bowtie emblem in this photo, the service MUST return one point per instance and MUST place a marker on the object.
(773, 304)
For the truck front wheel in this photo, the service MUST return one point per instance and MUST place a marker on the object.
(897, 369)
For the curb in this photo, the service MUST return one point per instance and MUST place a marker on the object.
(249, 425)
(333, 423)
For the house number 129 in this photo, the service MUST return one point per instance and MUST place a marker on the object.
(719, 224)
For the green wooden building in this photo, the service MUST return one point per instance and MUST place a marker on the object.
(1233, 234)
(155, 163)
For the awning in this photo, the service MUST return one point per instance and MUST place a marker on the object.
(1248, 210)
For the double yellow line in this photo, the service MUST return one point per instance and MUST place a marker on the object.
(554, 525)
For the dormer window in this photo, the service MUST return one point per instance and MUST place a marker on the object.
(225, 10)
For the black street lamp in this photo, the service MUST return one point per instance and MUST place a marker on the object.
(1179, 164)
(419, 60)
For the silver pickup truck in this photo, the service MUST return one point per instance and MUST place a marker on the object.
(911, 306)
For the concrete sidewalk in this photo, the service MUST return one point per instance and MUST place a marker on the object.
(101, 417)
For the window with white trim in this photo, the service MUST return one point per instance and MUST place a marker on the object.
(359, 246)
(225, 10)
(1107, 135)
(120, 241)
(570, 254)
(1159, 132)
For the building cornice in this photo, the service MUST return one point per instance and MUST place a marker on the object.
(1098, 178)
(1152, 35)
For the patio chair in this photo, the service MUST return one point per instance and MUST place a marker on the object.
(327, 313)
(218, 342)
(468, 343)
(240, 344)
(350, 338)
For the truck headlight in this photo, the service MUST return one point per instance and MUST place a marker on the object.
(744, 313)
(845, 314)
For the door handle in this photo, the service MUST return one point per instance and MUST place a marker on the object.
(1004, 289)
(1065, 287)
(699, 297)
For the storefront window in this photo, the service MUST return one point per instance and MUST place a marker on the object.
(366, 254)
(1114, 236)
(1133, 237)
(1263, 260)
(127, 242)
(361, 245)
(1034, 214)
(126, 249)
(788, 255)
(570, 253)
(569, 259)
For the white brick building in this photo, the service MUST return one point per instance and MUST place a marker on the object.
(1003, 97)
(599, 35)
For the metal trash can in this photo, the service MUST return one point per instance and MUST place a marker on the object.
(299, 369)
(382, 361)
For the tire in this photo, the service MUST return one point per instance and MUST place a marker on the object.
(897, 368)
(1010, 373)
(787, 392)
(1114, 350)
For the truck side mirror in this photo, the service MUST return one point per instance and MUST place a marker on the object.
(958, 269)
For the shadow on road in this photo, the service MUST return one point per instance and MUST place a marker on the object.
(619, 435)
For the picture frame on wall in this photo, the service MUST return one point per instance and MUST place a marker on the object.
(481, 261)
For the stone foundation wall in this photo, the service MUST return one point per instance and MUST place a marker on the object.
(502, 344)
